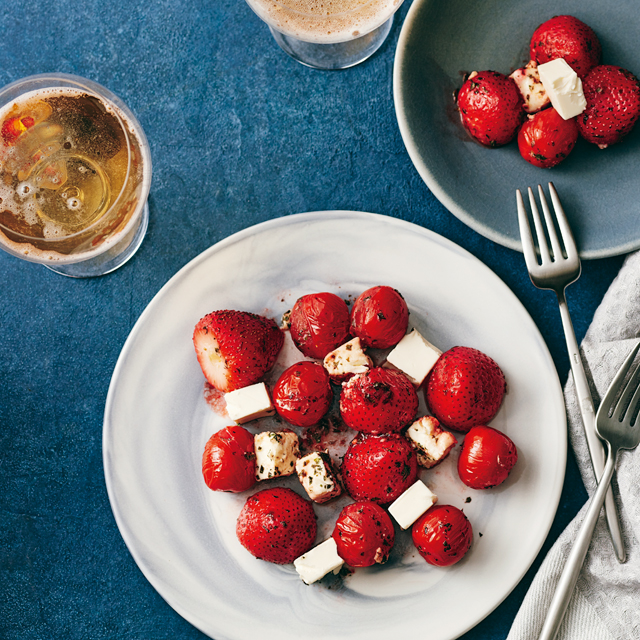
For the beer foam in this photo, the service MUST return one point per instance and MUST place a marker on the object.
(324, 21)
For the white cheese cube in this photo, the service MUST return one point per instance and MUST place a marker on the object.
(432, 444)
(322, 559)
(249, 403)
(528, 81)
(563, 87)
(414, 356)
(347, 360)
(276, 453)
(407, 508)
(318, 477)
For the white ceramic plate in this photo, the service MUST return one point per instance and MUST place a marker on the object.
(157, 421)
(442, 40)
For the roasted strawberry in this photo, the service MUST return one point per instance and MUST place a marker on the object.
(378, 401)
(303, 394)
(229, 460)
(13, 128)
(277, 525)
(364, 534)
(487, 457)
(379, 317)
(378, 468)
(613, 105)
(490, 107)
(569, 38)
(319, 322)
(236, 348)
(465, 388)
(442, 535)
(546, 138)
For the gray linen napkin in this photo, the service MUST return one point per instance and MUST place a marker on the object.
(606, 602)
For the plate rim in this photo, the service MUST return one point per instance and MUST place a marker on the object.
(157, 582)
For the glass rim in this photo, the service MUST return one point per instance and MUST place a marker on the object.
(18, 88)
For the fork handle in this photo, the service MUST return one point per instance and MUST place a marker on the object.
(575, 560)
(589, 423)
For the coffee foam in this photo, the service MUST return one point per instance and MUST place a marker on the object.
(324, 21)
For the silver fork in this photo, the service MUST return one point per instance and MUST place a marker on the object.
(556, 270)
(618, 424)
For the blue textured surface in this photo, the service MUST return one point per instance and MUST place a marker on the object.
(239, 133)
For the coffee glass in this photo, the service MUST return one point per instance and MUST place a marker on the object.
(328, 34)
(75, 173)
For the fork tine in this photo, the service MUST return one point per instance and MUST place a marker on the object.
(612, 393)
(625, 401)
(563, 224)
(551, 227)
(528, 243)
(537, 221)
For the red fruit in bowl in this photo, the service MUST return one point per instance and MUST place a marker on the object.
(277, 525)
(569, 38)
(613, 105)
(465, 388)
(442, 535)
(319, 322)
(379, 317)
(364, 534)
(236, 348)
(229, 460)
(490, 107)
(303, 394)
(487, 458)
(378, 401)
(546, 138)
(378, 468)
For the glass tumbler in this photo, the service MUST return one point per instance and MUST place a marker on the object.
(328, 34)
(76, 171)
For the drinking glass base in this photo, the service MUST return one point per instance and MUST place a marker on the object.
(110, 260)
(340, 55)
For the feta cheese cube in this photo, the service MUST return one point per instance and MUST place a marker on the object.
(564, 88)
(414, 356)
(276, 453)
(318, 476)
(319, 561)
(533, 93)
(410, 505)
(347, 360)
(432, 444)
(249, 403)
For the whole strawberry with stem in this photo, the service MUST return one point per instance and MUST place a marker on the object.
(277, 525)
(378, 401)
(465, 388)
(546, 138)
(378, 468)
(569, 38)
(236, 348)
(613, 105)
(490, 107)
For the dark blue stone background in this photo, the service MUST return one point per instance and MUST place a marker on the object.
(239, 133)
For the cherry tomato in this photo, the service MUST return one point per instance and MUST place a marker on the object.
(364, 534)
(379, 317)
(486, 458)
(442, 535)
(546, 139)
(303, 394)
(229, 460)
(319, 322)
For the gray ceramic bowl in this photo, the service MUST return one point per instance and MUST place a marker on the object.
(439, 42)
